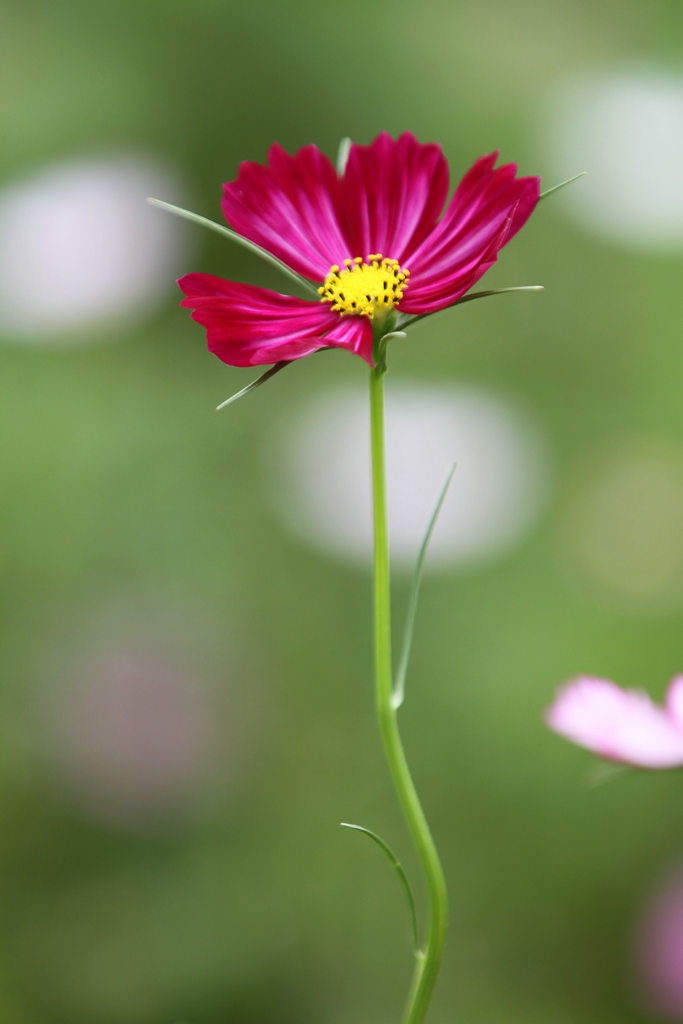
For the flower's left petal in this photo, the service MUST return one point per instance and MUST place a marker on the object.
(394, 190)
(293, 208)
(248, 326)
(622, 725)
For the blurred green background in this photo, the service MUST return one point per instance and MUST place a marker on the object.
(186, 706)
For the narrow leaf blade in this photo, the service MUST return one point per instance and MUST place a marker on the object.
(500, 291)
(227, 232)
(343, 155)
(396, 865)
(398, 695)
(407, 321)
(601, 774)
(562, 184)
(270, 372)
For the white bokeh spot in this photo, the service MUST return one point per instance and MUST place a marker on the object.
(319, 473)
(79, 245)
(625, 129)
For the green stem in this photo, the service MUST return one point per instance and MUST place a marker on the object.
(428, 960)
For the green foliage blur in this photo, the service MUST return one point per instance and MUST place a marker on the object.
(132, 517)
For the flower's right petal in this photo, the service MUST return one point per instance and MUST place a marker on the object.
(249, 326)
(292, 208)
(445, 290)
(485, 199)
(622, 725)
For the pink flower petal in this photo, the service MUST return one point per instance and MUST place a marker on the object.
(443, 291)
(248, 326)
(394, 190)
(353, 333)
(483, 192)
(622, 725)
(674, 701)
(483, 203)
(292, 208)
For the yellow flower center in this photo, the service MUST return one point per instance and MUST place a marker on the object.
(361, 287)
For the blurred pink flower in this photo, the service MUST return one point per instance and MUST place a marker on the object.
(622, 725)
(659, 948)
(371, 239)
(134, 736)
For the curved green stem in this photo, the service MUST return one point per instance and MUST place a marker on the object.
(428, 960)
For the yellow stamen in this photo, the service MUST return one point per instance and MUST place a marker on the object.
(370, 287)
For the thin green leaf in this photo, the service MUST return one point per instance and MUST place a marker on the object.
(343, 155)
(500, 291)
(396, 864)
(398, 695)
(255, 383)
(244, 242)
(556, 188)
(600, 774)
(407, 321)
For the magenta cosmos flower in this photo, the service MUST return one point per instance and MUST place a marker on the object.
(621, 725)
(370, 240)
